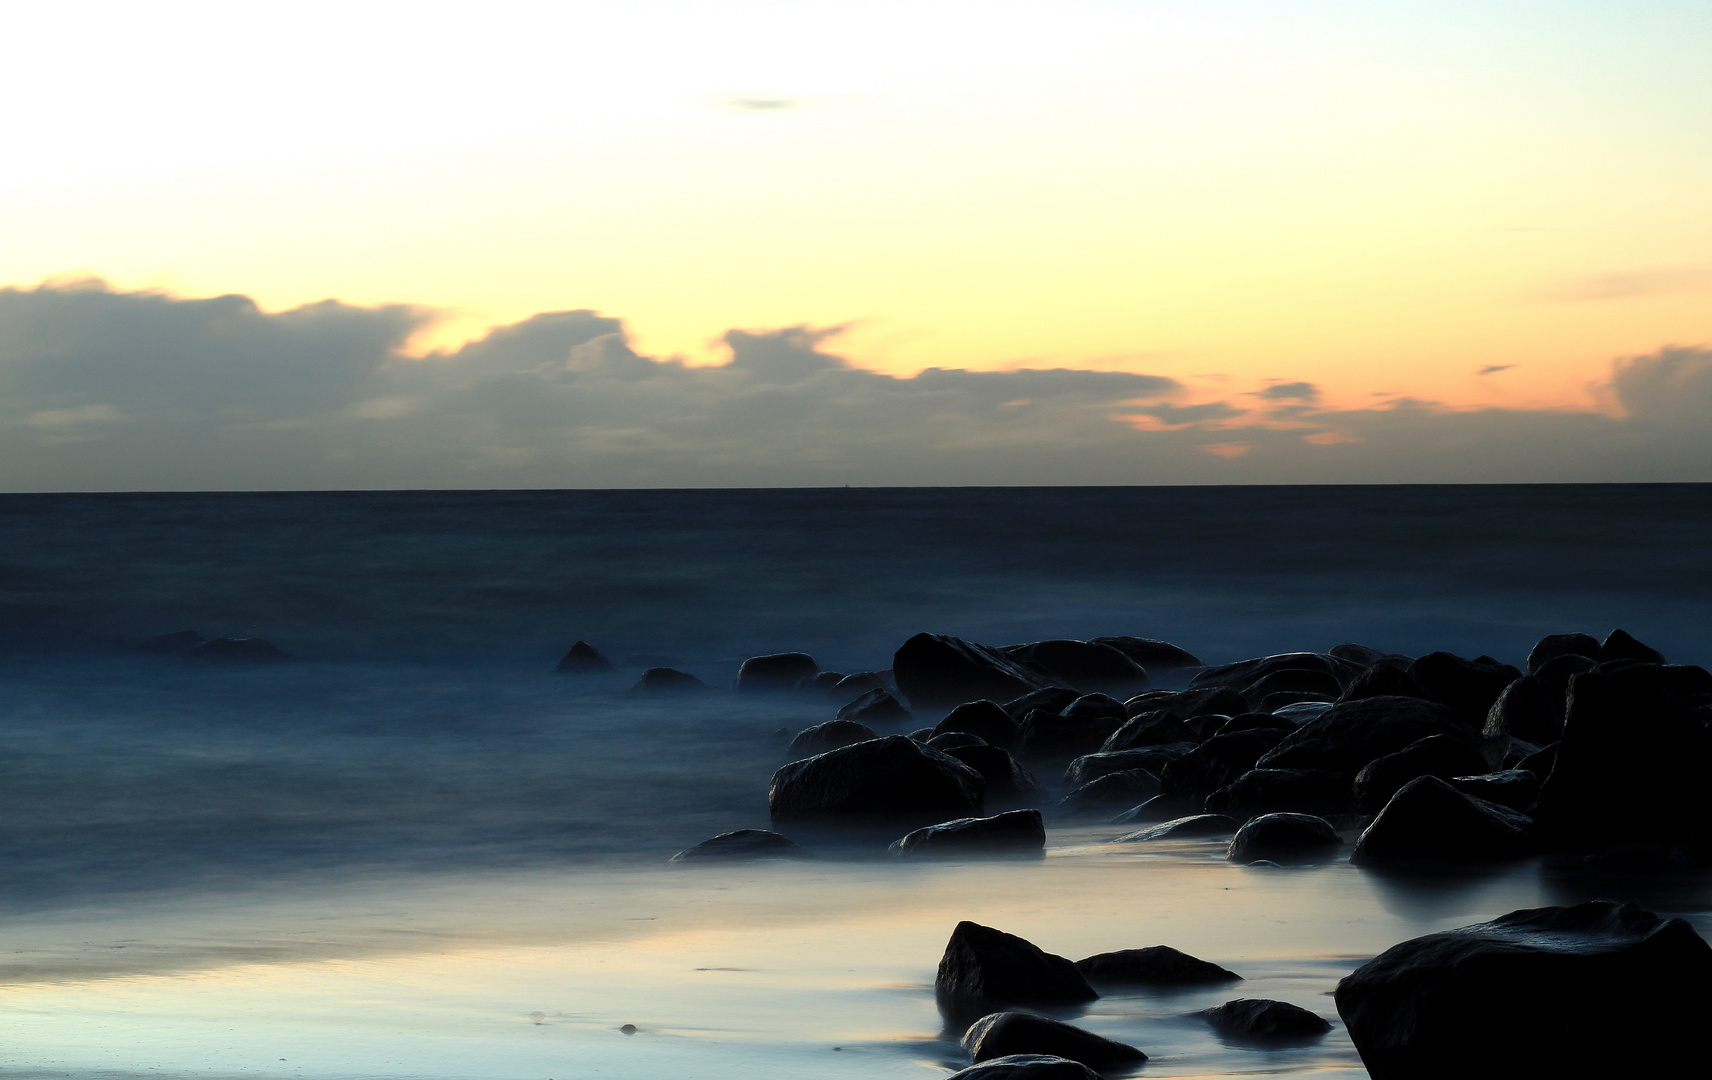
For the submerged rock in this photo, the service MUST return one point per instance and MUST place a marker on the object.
(1259, 1019)
(740, 845)
(658, 679)
(1185, 828)
(1285, 839)
(583, 659)
(1026, 1067)
(890, 779)
(1002, 1034)
(1598, 989)
(939, 670)
(1430, 820)
(1086, 665)
(1013, 832)
(986, 970)
(776, 671)
(830, 736)
(1156, 965)
(876, 706)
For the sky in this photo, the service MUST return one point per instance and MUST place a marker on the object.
(671, 243)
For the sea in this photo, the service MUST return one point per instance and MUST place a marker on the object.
(416, 851)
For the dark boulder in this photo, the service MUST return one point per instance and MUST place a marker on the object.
(1469, 687)
(821, 682)
(178, 643)
(1553, 646)
(983, 718)
(1435, 755)
(1152, 655)
(583, 659)
(1217, 762)
(1557, 672)
(1514, 788)
(1246, 672)
(1321, 684)
(1090, 767)
(1051, 698)
(666, 680)
(1359, 655)
(1276, 791)
(829, 736)
(778, 671)
(1255, 720)
(876, 706)
(1113, 791)
(1156, 965)
(1013, 832)
(1050, 735)
(1618, 645)
(1260, 1020)
(740, 845)
(861, 682)
(1185, 828)
(934, 670)
(1007, 781)
(1160, 808)
(1540, 762)
(1352, 733)
(1528, 709)
(243, 650)
(1283, 699)
(985, 970)
(920, 735)
(1285, 839)
(1096, 705)
(1383, 680)
(1182, 704)
(1086, 665)
(1599, 989)
(1026, 1067)
(998, 1035)
(951, 740)
(891, 779)
(1683, 680)
(1150, 730)
(1430, 820)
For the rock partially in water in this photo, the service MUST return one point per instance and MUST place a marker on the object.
(1353, 733)
(1514, 788)
(1469, 687)
(1528, 709)
(1007, 781)
(986, 970)
(1594, 990)
(1262, 1020)
(1026, 1067)
(891, 779)
(1285, 839)
(1050, 735)
(1185, 828)
(1090, 767)
(986, 719)
(583, 659)
(1217, 762)
(1156, 965)
(1002, 1034)
(666, 680)
(776, 671)
(1435, 755)
(1151, 654)
(1086, 665)
(876, 706)
(1113, 791)
(1013, 832)
(1274, 791)
(741, 845)
(935, 670)
(829, 736)
(1430, 820)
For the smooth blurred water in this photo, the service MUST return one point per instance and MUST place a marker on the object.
(381, 860)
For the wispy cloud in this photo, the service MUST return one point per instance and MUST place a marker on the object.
(1623, 285)
(1493, 369)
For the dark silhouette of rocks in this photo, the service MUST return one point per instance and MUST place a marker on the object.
(1469, 687)
(1557, 672)
(1318, 684)
(1527, 709)
(953, 740)
(1553, 646)
(1055, 735)
(876, 706)
(986, 970)
(1007, 781)
(1276, 791)
(583, 659)
(1217, 762)
(1364, 656)
(1618, 645)
(1183, 704)
(178, 643)
(1261, 1020)
(1010, 833)
(830, 736)
(776, 671)
(667, 680)
(1090, 767)
(890, 779)
(1285, 839)
(1026, 1067)
(1112, 791)
(1051, 698)
(1253, 721)
(1151, 730)
(1151, 654)
(860, 683)
(1514, 788)
(1247, 672)
(1430, 820)
(1352, 733)
(1435, 755)
(934, 670)
(1683, 680)
(1186, 828)
(821, 682)
(1086, 665)
(983, 718)
(1597, 989)
(1002, 1034)
(740, 845)
(1156, 965)
(1383, 680)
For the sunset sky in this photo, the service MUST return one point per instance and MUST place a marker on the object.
(1462, 205)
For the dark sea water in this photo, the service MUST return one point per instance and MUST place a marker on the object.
(414, 852)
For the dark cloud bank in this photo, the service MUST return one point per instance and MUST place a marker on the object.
(104, 390)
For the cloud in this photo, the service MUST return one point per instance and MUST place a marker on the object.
(103, 389)
(763, 104)
(1493, 369)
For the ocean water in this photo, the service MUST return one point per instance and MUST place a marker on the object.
(416, 853)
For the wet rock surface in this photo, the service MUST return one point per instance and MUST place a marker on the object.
(777, 671)
(1027, 1067)
(1156, 965)
(1431, 820)
(1005, 1033)
(987, 970)
(740, 845)
(1285, 839)
(1013, 832)
(1263, 1020)
(890, 779)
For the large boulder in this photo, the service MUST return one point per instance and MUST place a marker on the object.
(1007, 781)
(1245, 672)
(887, 780)
(1026, 1067)
(1352, 733)
(1435, 755)
(1217, 762)
(1598, 989)
(1430, 820)
(1150, 730)
(665, 680)
(986, 970)
(1527, 709)
(1275, 791)
(740, 846)
(1285, 839)
(829, 736)
(776, 671)
(1086, 665)
(1156, 965)
(876, 706)
(1469, 687)
(1619, 645)
(1192, 827)
(583, 659)
(1113, 791)
(937, 670)
(1553, 646)
(1183, 704)
(1263, 1020)
(1152, 654)
(1090, 767)
(1052, 735)
(1010, 833)
(986, 719)
(1004, 1033)
(1383, 680)
(1514, 788)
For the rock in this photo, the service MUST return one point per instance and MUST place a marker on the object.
(1683, 680)
(178, 643)
(1217, 762)
(1302, 712)
(1184, 828)
(1321, 684)
(1160, 808)
(985, 719)
(876, 706)
(1286, 698)
(1086, 665)
(583, 659)
(1090, 705)
(1182, 704)
(821, 682)
(1112, 791)
(986, 970)
(1051, 698)
(861, 682)
(1156, 965)
(1007, 781)
(1435, 755)
(1246, 672)
(1353, 733)
(1151, 654)
(920, 735)
(1598, 989)
(1430, 820)
(1528, 710)
(1002, 1034)
(1469, 687)
(889, 779)
(935, 670)
(1274, 791)
(1383, 680)
(1618, 645)
(1010, 833)
(1360, 655)
(778, 671)
(1258, 1019)
(1026, 1067)
(1090, 767)
(1205, 727)
(1514, 788)
(1557, 672)
(1540, 762)
(1048, 735)
(951, 740)
(1255, 721)
(658, 679)
(244, 650)
(1632, 762)
(1150, 730)
(740, 845)
(1553, 646)
(830, 736)
(1285, 839)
